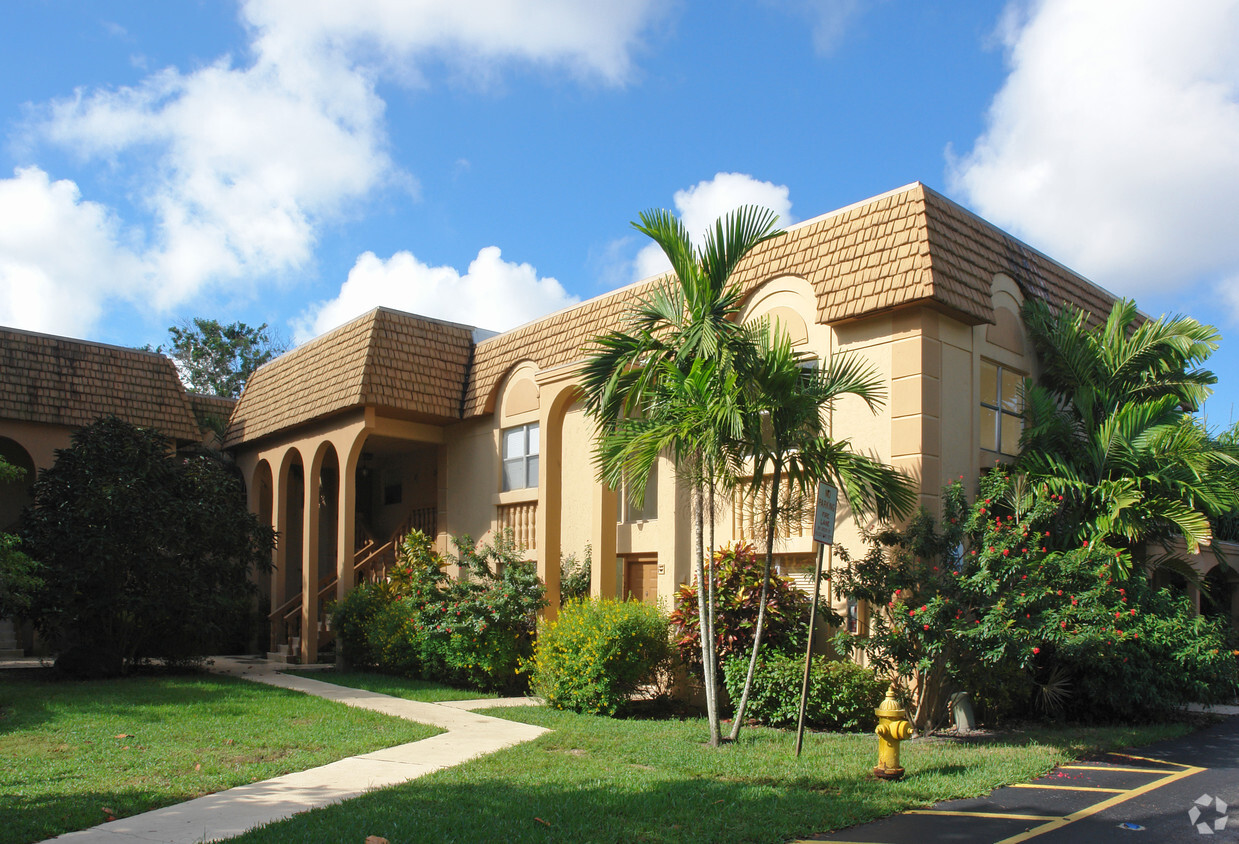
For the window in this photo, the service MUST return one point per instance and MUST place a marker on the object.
(629, 511)
(1002, 408)
(520, 457)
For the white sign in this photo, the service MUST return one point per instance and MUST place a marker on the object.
(824, 513)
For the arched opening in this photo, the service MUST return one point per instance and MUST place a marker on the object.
(1218, 595)
(323, 566)
(289, 502)
(262, 500)
(15, 494)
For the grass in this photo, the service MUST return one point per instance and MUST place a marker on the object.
(603, 780)
(75, 753)
(426, 691)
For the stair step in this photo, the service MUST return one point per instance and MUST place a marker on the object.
(11, 653)
(283, 658)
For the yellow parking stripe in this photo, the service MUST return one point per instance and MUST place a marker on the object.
(1000, 815)
(1069, 787)
(1058, 823)
(1113, 768)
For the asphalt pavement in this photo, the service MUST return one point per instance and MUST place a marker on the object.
(1181, 790)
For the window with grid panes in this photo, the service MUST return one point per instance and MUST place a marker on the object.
(628, 511)
(520, 457)
(1002, 408)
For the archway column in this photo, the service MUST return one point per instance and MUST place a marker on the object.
(604, 582)
(279, 557)
(346, 536)
(309, 558)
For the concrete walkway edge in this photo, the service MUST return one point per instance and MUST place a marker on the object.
(226, 814)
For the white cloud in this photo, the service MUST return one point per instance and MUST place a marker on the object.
(61, 259)
(830, 19)
(699, 206)
(240, 167)
(590, 39)
(247, 167)
(1114, 142)
(493, 294)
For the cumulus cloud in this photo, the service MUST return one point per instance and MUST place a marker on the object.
(703, 203)
(238, 166)
(493, 293)
(593, 39)
(1114, 142)
(829, 19)
(247, 166)
(61, 258)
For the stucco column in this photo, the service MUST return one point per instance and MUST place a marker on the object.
(603, 582)
(346, 534)
(550, 501)
(309, 561)
(279, 557)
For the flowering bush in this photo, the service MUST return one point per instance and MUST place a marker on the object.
(598, 653)
(842, 695)
(997, 588)
(737, 587)
(471, 631)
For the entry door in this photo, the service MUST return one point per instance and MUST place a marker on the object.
(641, 579)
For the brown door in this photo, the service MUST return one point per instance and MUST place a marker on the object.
(641, 579)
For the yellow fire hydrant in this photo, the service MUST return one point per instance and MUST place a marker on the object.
(893, 727)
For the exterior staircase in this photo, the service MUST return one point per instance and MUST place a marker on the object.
(9, 647)
(371, 561)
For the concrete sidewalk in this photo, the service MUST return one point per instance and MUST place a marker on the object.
(229, 813)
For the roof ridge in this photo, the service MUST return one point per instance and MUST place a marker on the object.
(965, 210)
(78, 341)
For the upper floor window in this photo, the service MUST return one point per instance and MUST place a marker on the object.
(520, 457)
(1002, 408)
(629, 511)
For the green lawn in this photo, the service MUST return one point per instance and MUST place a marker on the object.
(73, 752)
(427, 691)
(603, 780)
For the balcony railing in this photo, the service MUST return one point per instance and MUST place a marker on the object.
(749, 513)
(522, 519)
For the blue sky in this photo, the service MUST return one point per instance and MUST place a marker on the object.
(297, 162)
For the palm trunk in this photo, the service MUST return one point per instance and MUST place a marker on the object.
(712, 598)
(707, 643)
(772, 523)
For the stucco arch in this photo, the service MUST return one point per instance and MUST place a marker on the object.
(15, 494)
(525, 368)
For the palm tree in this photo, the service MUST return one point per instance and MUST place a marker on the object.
(788, 437)
(1109, 426)
(669, 379)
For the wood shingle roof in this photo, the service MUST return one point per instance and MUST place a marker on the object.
(396, 361)
(910, 246)
(62, 381)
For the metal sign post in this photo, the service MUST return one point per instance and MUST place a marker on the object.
(823, 535)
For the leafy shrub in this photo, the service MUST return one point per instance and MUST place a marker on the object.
(472, 631)
(598, 653)
(354, 620)
(842, 695)
(737, 587)
(574, 577)
(1004, 585)
(146, 554)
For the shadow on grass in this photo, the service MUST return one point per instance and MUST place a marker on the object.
(27, 820)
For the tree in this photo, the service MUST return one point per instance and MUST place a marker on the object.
(218, 359)
(1109, 426)
(19, 574)
(676, 360)
(787, 435)
(147, 554)
(1004, 591)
